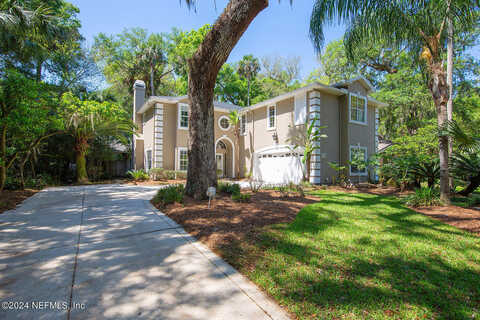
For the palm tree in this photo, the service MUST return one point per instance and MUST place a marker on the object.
(419, 26)
(152, 54)
(248, 67)
(86, 120)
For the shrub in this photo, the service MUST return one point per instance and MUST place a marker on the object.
(157, 174)
(241, 197)
(39, 182)
(255, 186)
(138, 175)
(168, 195)
(424, 197)
(290, 189)
(169, 174)
(180, 175)
(229, 188)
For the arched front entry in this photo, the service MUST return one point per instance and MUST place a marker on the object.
(225, 157)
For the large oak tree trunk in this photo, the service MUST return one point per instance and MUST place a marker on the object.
(202, 74)
(439, 89)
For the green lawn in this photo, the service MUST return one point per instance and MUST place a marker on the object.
(361, 256)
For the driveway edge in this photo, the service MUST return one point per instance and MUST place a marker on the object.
(264, 302)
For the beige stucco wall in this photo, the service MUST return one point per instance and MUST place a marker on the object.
(169, 135)
(258, 136)
(139, 160)
(330, 146)
(334, 115)
(174, 137)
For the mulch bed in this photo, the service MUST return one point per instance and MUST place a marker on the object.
(462, 218)
(10, 199)
(227, 221)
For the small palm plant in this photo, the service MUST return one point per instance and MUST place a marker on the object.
(138, 175)
(309, 141)
(234, 118)
(465, 160)
(427, 170)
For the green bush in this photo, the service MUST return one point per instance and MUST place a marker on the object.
(181, 175)
(241, 197)
(138, 175)
(169, 174)
(424, 197)
(39, 182)
(157, 174)
(229, 188)
(168, 195)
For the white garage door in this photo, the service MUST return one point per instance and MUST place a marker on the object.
(278, 165)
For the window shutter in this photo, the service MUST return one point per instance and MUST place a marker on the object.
(300, 113)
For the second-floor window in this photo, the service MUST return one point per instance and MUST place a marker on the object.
(243, 124)
(358, 109)
(271, 117)
(183, 116)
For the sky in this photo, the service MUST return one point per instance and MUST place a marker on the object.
(281, 29)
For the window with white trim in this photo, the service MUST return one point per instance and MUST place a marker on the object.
(358, 109)
(183, 116)
(358, 156)
(224, 123)
(271, 117)
(182, 159)
(148, 160)
(243, 124)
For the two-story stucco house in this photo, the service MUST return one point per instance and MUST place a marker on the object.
(269, 132)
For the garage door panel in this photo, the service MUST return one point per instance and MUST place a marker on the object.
(278, 169)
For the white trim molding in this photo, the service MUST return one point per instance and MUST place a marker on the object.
(365, 109)
(158, 136)
(365, 150)
(316, 158)
(179, 115)
(269, 127)
(233, 152)
(220, 124)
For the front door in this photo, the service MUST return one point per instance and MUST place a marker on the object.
(220, 167)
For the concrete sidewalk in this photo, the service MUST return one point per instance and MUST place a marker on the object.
(104, 252)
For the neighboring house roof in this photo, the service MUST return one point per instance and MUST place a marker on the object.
(222, 106)
(383, 145)
(314, 86)
(364, 81)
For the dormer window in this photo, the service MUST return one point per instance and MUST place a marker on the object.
(183, 116)
(358, 109)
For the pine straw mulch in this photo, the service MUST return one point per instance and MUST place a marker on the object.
(9, 199)
(227, 221)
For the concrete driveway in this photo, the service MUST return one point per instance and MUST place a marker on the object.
(103, 252)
